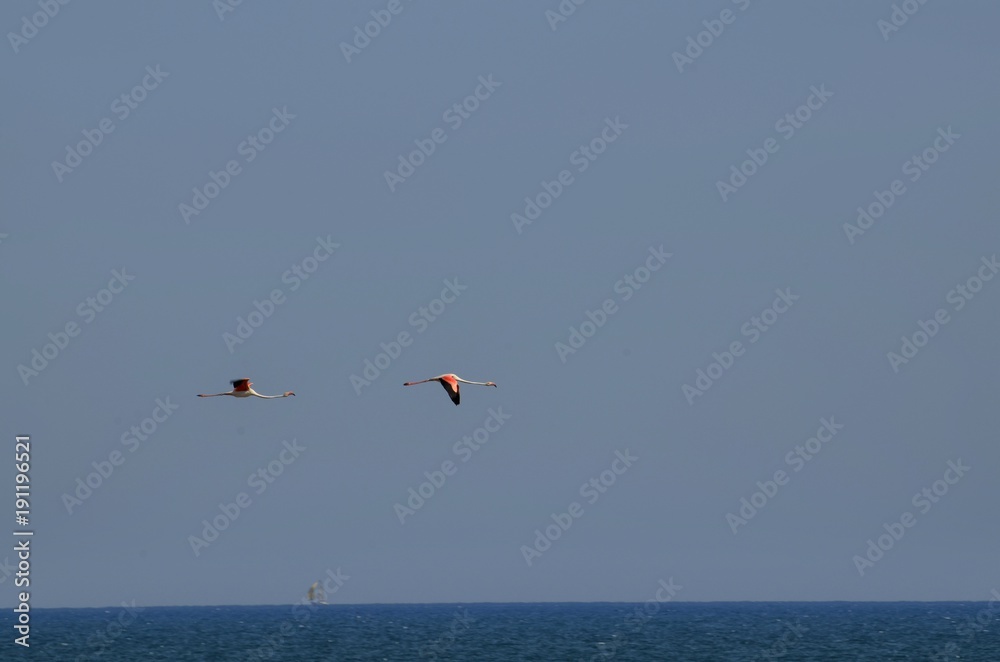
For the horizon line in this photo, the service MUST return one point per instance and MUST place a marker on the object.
(538, 602)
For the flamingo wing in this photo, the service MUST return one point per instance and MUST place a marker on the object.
(241, 384)
(450, 385)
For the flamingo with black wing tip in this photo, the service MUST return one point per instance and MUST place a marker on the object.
(450, 383)
(241, 389)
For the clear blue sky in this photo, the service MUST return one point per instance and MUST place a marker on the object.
(543, 94)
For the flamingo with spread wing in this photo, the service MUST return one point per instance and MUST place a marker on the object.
(241, 389)
(450, 383)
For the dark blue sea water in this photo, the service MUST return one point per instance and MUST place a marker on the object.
(707, 632)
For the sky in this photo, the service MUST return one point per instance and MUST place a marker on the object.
(641, 220)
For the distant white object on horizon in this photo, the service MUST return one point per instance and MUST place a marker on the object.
(316, 594)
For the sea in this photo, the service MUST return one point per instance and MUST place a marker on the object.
(692, 631)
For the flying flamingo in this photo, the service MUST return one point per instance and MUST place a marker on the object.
(241, 389)
(450, 384)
